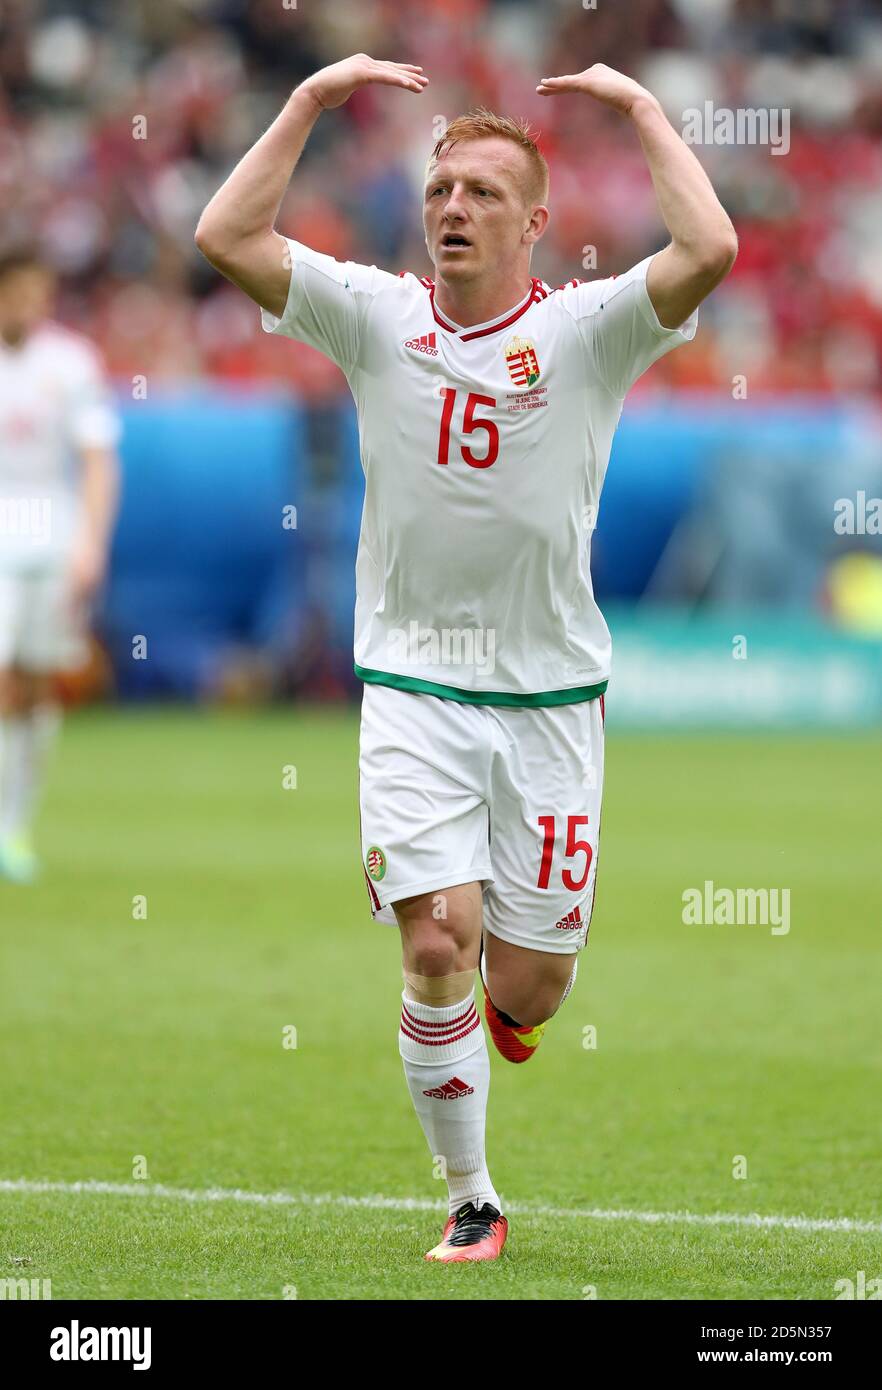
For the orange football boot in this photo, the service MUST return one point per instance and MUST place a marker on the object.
(514, 1043)
(471, 1235)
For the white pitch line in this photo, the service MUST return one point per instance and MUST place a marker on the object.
(753, 1220)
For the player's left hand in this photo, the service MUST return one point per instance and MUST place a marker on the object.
(85, 572)
(605, 84)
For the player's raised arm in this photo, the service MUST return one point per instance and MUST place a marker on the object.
(703, 241)
(236, 230)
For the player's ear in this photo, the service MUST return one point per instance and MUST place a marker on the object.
(535, 228)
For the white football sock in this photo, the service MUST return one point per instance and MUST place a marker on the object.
(25, 746)
(448, 1073)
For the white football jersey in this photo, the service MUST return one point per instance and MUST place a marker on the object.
(484, 452)
(54, 401)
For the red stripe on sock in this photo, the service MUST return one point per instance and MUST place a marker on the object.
(451, 1022)
(438, 1039)
(440, 1042)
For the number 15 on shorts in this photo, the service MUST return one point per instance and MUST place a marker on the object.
(574, 846)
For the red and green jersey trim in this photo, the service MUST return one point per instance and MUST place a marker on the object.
(539, 699)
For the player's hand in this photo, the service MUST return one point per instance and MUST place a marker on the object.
(334, 85)
(605, 84)
(85, 572)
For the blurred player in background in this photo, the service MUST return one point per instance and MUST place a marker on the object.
(58, 496)
(487, 404)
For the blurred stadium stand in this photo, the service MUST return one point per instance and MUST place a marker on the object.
(710, 500)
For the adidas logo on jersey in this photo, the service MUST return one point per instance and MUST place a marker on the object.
(572, 921)
(427, 344)
(454, 1089)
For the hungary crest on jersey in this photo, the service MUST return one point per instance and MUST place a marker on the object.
(522, 362)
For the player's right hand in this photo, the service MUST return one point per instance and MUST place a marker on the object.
(334, 85)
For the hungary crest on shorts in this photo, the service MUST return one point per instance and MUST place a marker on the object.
(375, 862)
(522, 362)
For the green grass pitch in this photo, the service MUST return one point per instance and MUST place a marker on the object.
(159, 1042)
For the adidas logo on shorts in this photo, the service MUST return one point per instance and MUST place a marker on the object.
(572, 921)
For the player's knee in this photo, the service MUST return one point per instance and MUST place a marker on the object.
(438, 945)
(436, 951)
(529, 1008)
(529, 1001)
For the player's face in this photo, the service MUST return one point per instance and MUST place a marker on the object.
(25, 298)
(475, 211)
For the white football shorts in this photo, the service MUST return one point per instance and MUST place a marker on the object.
(38, 629)
(452, 793)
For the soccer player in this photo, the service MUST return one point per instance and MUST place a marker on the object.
(487, 403)
(58, 486)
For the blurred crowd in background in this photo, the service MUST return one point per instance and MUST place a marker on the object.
(118, 121)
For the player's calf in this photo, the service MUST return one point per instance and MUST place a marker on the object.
(523, 989)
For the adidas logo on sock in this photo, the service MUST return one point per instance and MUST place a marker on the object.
(572, 921)
(426, 344)
(453, 1089)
